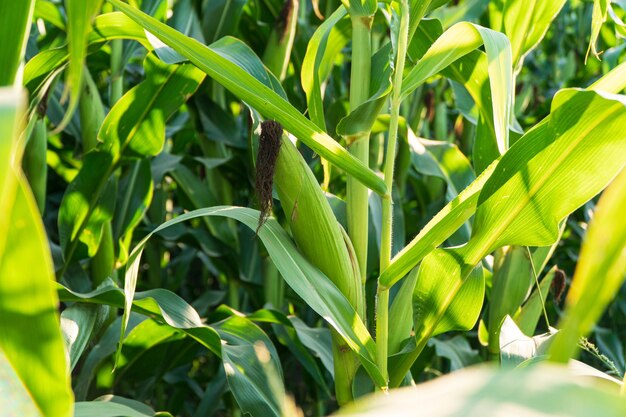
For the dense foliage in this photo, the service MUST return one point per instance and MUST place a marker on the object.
(275, 207)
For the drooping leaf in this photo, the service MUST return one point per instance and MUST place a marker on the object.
(362, 118)
(252, 367)
(257, 95)
(458, 41)
(112, 406)
(306, 280)
(526, 22)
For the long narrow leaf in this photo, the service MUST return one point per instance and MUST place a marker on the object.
(306, 280)
(262, 98)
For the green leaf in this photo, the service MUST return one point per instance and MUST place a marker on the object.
(306, 280)
(458, 41)
(221, 18)
(600, 12)
(455, 213)
(252, 367)
(80, 14)
(549, 174)
(361, 119)
(466, 305)
(160, 303)
(600, 271)
(87, 205)
(540, 391)
(528, 316)
(551, 171)
(526, 23)
(77, 325)
(257, 95)
(137, 120)
(473, 72)
(27, 298)
(112, 406)
(49, 12)
(512, 281)
(14, 398)
(240, 54)
(133, 202)
(143, 337)
(457, 350)
(326, 43)
(295, 335)
(15, 19)
(134, 126)
(440, 228)
(443, 160)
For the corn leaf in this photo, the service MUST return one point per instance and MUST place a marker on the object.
(455, 213)
(327, 41)
(360, 120)
(532, 189)
(252, 367)
(526, 23)
(600, 271)
(159, 303)
(15, 18)
(306, 280)
(600, 13)
(134, 126)
(540, 391)
(257, 95)
(80, 14)
(27, 299)
(458, 41)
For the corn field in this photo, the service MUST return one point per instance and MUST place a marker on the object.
(309, 208)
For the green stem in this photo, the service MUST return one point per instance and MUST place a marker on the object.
(382, 305)
(357, 195)
(345, 362)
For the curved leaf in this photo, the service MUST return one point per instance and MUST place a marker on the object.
(360, 120)
(306, 280)
(540, 391)
(533, 187)
(257, 95)
(458, 41)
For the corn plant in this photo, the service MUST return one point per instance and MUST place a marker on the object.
(277, 208)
